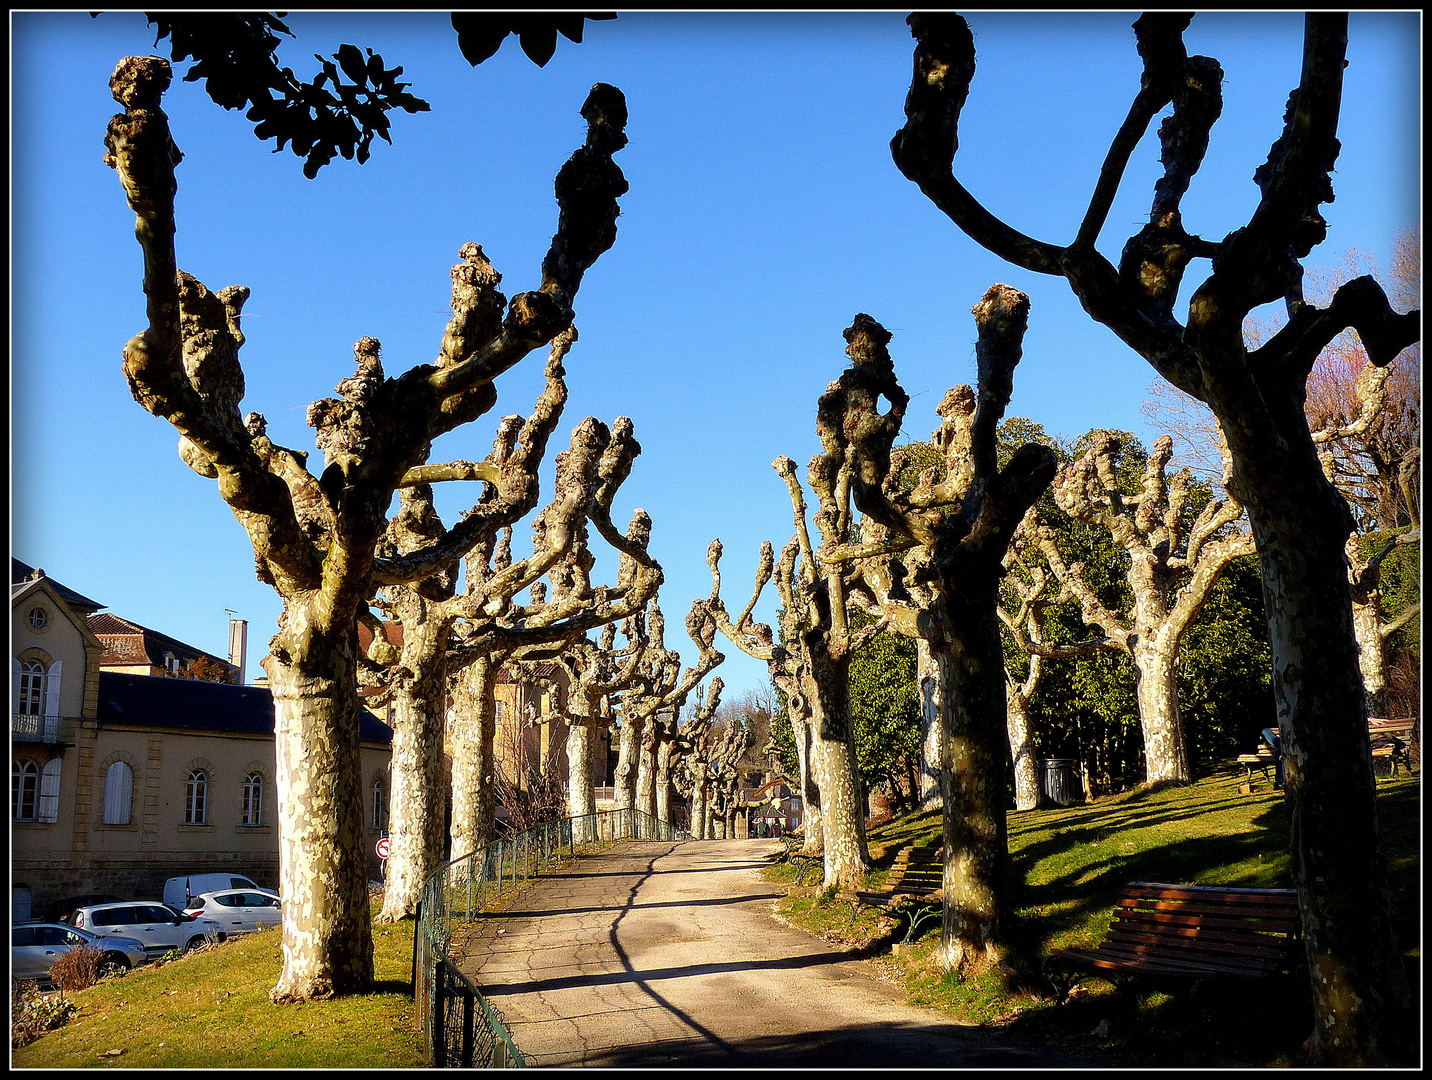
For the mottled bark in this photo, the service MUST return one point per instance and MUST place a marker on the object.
(1299, 522)
(415, 818)
(314, 538)
(327, 930)
(946, 591)
(474, 798)
(1175, 561)
(832, 727)
(927, 675)
(1021, 741)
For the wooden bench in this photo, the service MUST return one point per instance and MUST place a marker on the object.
(913, 889)
(1191, 932)
(1391, 739)
(1261, 760)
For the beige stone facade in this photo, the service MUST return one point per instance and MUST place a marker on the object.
(148, 777)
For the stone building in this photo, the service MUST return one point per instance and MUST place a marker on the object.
(119, 781)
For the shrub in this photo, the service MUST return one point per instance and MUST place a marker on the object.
(78, 969)
(31, 1014)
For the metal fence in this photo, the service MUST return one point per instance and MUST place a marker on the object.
(460, 1027)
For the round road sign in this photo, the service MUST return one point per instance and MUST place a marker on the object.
(382, 848)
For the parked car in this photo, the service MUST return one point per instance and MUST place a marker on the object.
(59, 911)
(158, 926)
(35, 946)
(238, 912)
(178, 891)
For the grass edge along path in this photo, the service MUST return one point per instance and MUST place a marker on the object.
(211, 1009)
(1073, 863)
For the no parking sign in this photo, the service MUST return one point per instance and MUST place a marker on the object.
(382, 848)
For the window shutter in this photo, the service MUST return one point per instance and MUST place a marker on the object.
(118, 793)
(52, 689)
(14, 685)
(49, 808)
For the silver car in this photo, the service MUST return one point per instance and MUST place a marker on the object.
(238, 911)
(158, 926)
(35, 946)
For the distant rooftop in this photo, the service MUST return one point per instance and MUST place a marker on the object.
(127, 642)
(22, 573)
(155, 701)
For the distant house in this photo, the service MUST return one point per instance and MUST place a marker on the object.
(132, 649)
(119, 781)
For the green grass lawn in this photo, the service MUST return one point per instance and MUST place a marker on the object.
(211, 1008)
(1073, 863)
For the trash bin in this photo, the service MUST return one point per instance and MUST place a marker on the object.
(1060, 787)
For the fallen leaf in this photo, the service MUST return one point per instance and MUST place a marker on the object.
(110, 1053)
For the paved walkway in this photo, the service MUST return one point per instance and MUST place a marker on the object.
(667, 954)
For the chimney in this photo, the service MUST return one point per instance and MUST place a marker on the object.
(239, 646)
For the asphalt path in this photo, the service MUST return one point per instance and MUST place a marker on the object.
(660, 954)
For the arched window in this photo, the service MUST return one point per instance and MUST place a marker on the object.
(48, 808)
(196, 798)
(253, 799)
(118, 794)
(32, 687)
(380, 803)
(24, 790)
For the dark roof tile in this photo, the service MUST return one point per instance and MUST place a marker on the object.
(155, 701)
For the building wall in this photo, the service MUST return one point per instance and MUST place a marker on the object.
(62, 638)
(80, 853)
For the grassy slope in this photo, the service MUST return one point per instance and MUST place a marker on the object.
(211, 1009)
(1073, 864)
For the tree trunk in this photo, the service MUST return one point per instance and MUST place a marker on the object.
(415, 822)
(931, 738)
(976, 843)
(1021, 749)
(628, 751)
(581, 798)
(663, 781)
(474, 796)
(1357, 974)
(1156, 681)
(1367, 628)
(809, 786)
(700, 821)
(327, 923)
(833, 750)
(646, 772)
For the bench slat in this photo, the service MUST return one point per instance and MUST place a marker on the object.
(1196, 931)
(1124, 950)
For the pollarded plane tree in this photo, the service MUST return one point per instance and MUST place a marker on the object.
(663, 687)
(1027, 593)
(1362, 460)
(1300, 523)
(819, 624)
(784, 661)
(675, 743)
(314, 538)
(495, 630)
(428, 608)
(726, 782)
(964, 522)
(1175, 559)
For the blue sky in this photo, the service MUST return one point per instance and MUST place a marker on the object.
(764, 212)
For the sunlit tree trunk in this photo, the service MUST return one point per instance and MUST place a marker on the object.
(327, 940)
(474, 795)
(415, 820)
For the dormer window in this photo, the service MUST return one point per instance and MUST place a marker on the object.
(39, 618)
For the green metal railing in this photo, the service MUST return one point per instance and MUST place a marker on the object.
(459, 1026)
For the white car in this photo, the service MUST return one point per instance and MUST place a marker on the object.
(159, 927)
(35, 946)
(238, 911)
